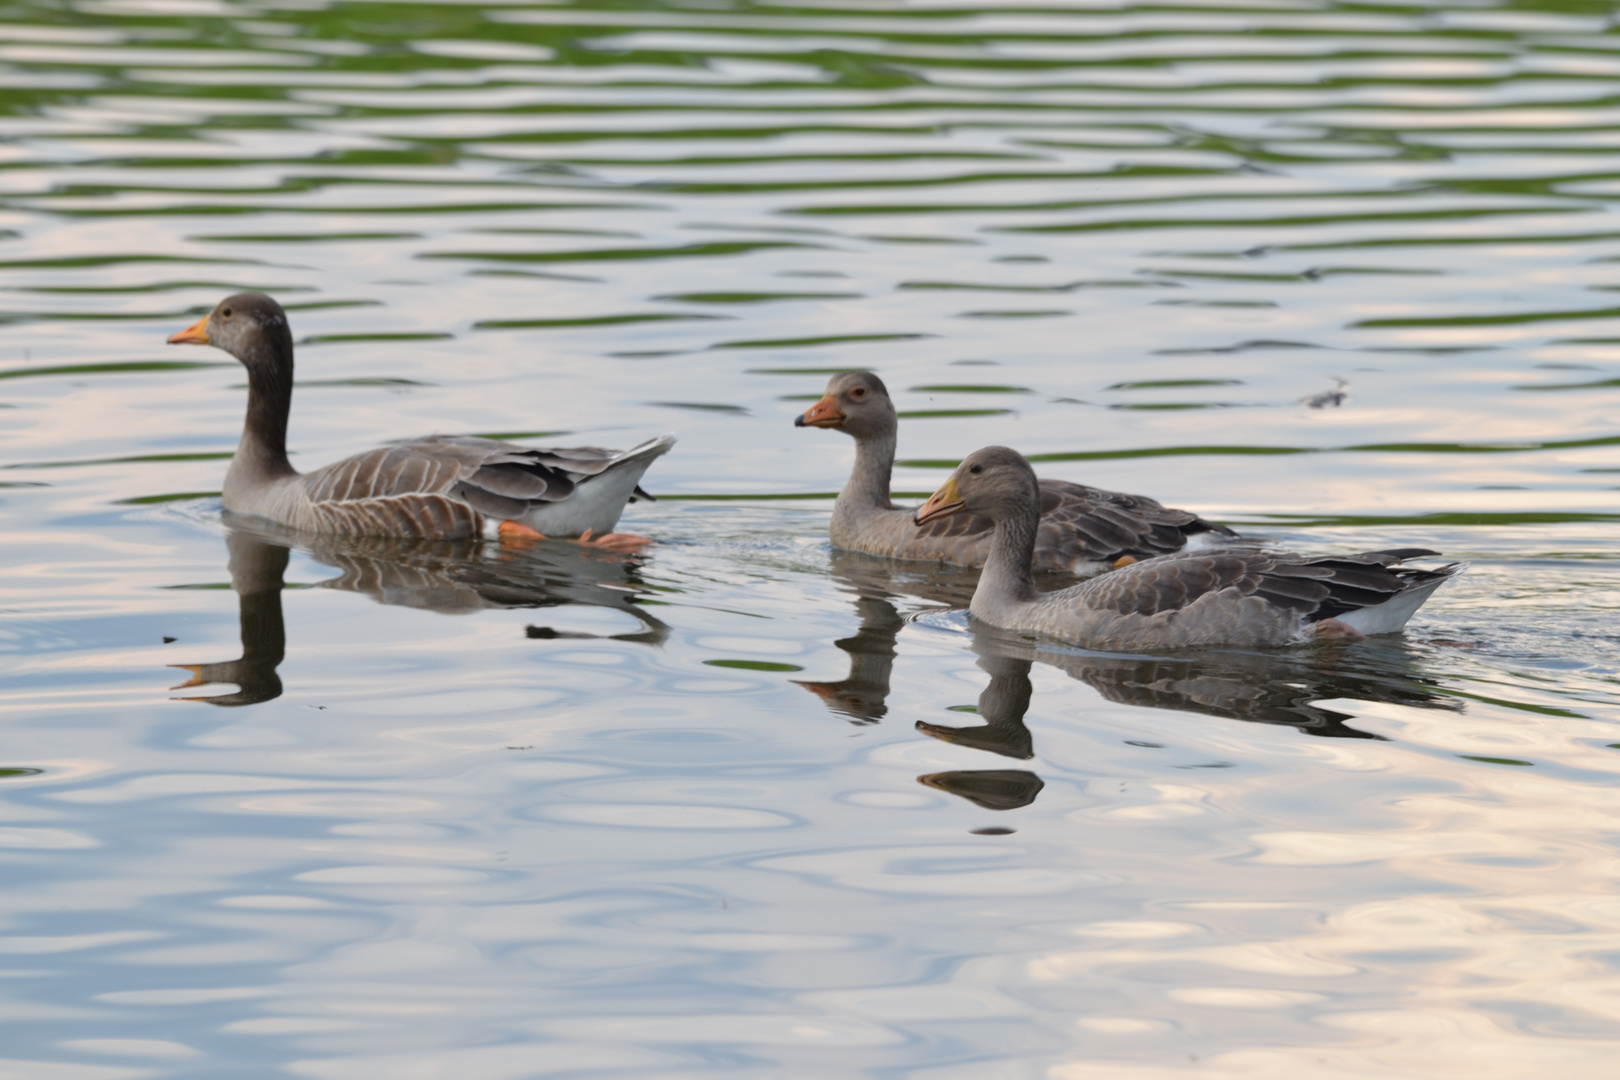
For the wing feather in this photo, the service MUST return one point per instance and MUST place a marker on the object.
(443, 485)
(1079, 524)
(1315, 588)
(515, 481)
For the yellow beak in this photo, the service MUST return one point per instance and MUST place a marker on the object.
(196, 676)
(195, 334)
(823, 413)
(942, 503)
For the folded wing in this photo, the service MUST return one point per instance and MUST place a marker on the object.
(444, 485)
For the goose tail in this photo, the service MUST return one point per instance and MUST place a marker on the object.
(1393, 614)
(598, 500)
(655, 447)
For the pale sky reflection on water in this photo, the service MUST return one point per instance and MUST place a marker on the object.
(748, 806)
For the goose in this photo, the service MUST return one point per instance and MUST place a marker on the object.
(445, 487)
(1245, 596)
(1082, 530)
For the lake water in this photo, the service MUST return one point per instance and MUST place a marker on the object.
(746, 806)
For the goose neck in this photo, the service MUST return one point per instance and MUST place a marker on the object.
(262, 453)
(867, 491)
(1007, 577)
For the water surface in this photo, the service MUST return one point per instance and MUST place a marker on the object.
(1339, 274)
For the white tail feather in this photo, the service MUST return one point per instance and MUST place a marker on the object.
(598, 500)
(1394, 613)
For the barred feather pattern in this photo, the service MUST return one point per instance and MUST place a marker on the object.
(429, 517)
(442, 487)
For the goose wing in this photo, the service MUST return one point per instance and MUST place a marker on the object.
(1081, 524)
(1103, 525)
(1310, 589)
(440, 486)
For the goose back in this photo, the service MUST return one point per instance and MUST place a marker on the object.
(1083, 530)
(447, 487)
(1227, 597)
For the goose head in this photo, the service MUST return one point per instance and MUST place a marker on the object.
(250, 326)
(856, 402)
(995, 482)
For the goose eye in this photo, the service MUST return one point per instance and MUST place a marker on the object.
(224, 313)
(975, 469)
(858, 392)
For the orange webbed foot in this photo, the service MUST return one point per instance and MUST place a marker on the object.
(1335, 630)
(615, 541)
(515, 530)
(516, 537)
(516, 534)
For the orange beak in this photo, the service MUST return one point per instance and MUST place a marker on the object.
(195, 334)
(823, 413)
(942, 503)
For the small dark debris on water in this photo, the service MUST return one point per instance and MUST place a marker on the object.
(1334, 397)
(520, 747)
(1148, 745)
(169, 640)
(994, 830)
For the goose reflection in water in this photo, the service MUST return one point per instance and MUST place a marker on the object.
(1002, 706)
(1262, 686)
(1268, 687)
(876, 583)
(256, 569)
(863, 696)
(451, 577)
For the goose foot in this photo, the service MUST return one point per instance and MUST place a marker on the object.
(615, 541)
(1125, 560)
(514, 530)
(1333, 629)
(517, 533)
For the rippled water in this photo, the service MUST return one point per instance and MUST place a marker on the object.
(1339, 273)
